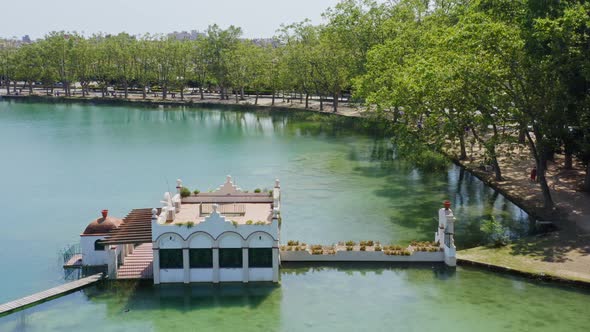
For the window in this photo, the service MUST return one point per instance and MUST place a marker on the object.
(98, 246)
(201, 258)
(230, 258)
(171, 259)
(260, 257)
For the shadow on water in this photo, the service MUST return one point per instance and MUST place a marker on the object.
(143, 295)
(412, 194)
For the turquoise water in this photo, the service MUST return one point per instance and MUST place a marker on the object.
(63, 163)
(332, 298)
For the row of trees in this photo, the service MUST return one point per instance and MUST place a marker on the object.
(492, 71)
(302, 59)
(443, 72)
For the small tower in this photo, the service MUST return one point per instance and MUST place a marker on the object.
(448, 236)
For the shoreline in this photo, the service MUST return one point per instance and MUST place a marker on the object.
(527, 206)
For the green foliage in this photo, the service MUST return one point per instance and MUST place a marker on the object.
(257, 190)
(185, 192)
(196, 191)
(350, 243)
(250, 222)
(497, 234)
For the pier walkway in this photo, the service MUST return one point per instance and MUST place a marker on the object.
(58, 291)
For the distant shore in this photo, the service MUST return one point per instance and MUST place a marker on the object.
(249, 102)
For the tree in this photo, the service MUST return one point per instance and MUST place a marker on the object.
(220, 45)
(8, 63)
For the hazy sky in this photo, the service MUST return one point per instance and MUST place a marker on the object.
(257, 18)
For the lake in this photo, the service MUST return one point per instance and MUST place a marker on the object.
(63, 163)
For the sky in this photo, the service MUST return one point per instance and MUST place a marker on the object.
(257, 18)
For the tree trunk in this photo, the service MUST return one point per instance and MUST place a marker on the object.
(7, 87)
(463, 154)
(335, 103)
(182, 93)
(126, 86)
(103, 90)
(273, 98)
(539, 155)
(14, 87)
(164, 92)
(521, 136)
(143, 92)
(568, 163)
(242, 93)
(201, 92)
(587, 178)
(30, 87)
(497, 170)
(306, 100)
(321, 103)
(256, 100)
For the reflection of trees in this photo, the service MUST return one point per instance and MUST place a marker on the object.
(440, 271)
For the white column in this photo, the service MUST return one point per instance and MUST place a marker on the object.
(275, 264)
(245, 271)
(156, 266)
(186, 265)
(215, 265)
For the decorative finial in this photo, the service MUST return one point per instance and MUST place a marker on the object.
(277, 183)
(215, 208)
(178, 183)
(228, 178)
(154, 213)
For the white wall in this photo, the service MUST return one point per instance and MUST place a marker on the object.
(260, 240)
(201, 275)
(361, 256)
(260, 274)
(171, 275)
(226, 274)
(89, 255)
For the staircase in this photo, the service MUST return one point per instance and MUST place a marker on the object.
(138, 265)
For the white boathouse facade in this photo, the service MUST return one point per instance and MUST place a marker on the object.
(228, 235)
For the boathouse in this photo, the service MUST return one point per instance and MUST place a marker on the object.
(227, 235)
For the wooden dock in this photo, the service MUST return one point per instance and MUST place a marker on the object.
(47, 295)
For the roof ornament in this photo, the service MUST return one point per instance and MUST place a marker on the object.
(167, 202)
(178, 185)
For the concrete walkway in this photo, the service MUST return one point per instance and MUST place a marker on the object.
(47, 295)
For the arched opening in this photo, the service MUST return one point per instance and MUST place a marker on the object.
(98, 245)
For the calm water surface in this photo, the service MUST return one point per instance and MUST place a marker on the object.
(63, 163)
